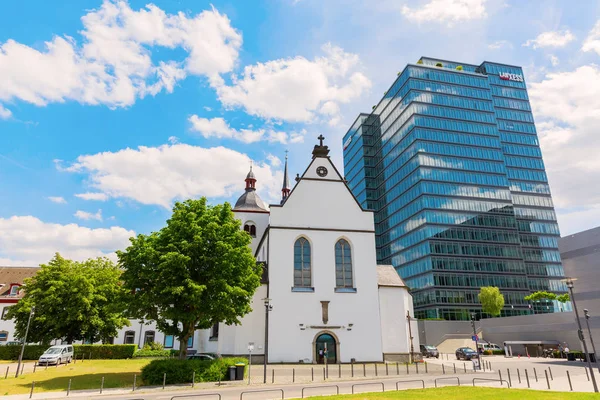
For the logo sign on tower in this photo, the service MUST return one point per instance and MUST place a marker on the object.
(507, 76)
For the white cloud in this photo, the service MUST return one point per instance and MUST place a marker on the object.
(567, 107)
(28, 241)
(207, 108)
(113, 66)
(296, 89)
(86, 216)
(92, 196)
(5, 113)
(57, 199)
(219, 128)
(554, 60)
(173, 139)
(592, 42)
(274, 160)
(551, 39)
(449, 11)
(160, 175)
(500, 44)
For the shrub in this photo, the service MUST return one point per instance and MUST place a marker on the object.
(32, 352)
(420, 62)
(459, 67)
(439, 64)
(152, 353)
(105, 351)
(498, 352)
(181, 371)
(153, 346)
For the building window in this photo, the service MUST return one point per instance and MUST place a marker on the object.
(169, 339)
(4, 311)
(110, 340)
(129, 337)
(214, 332)
(250, 228)
(3, 336)
(148, 337)
(302, 267)
(190, 342)
(14, 290)
(343, 265)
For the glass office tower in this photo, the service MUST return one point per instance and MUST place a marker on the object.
(450, 162)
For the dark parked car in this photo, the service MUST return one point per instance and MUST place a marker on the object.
(429, 351)
(466, 353)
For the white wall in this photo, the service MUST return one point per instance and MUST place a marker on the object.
(394, 302)
(7, 325)
(260, 220)
(325, 205)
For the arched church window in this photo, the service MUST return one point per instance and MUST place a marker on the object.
(343, 265)
(250, 228)
(302, 267)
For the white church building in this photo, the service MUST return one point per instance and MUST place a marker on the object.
(322, 292)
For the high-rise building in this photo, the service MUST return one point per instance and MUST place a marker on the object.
(450, 162)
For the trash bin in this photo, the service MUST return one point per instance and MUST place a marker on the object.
(239, 375)
(232, 373)
(570, 356)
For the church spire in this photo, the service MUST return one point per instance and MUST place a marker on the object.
(250, 179)
(285, 189)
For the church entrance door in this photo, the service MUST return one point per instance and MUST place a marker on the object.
(326, 346)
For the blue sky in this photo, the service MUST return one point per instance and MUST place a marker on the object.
(112, 110)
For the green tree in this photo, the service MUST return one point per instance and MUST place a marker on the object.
(73, 301)
(492, 301)
(541, 295)
(563, 298)
(196, 271)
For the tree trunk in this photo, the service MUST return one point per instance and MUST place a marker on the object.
(183, 347)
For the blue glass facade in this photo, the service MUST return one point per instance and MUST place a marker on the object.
(450, 162)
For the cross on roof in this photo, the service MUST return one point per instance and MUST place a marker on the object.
(321, 139)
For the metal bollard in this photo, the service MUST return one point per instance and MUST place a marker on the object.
(352, 369)
(193, 378)
(134, 379)
(312, 372)
(417, 367)
(443, 370)
(500, 376)
(397, 368)
(387, 372)
(6, 375)
(324, 373)
(519, 375)
(364, 369)
(34, 366)
(465, 367)
(69, 388)
(164, 380)
(101, 385)
(527, 378)
(550, 371)
(509, 380)
(454, 365)
(547, 380)
(407, 371)
(293, 375)
(482, 363)
(327, 370)
(569, 378)
(273, 376)
(32, 386)
(535, 373)
(426, 368)
(75, 359)
(376, 372)
(339, 370)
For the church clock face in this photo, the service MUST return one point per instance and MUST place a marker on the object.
(322, 171)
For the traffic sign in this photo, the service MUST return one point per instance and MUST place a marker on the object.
(475, 338)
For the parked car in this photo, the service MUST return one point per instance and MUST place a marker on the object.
(205, 357)
(466, 353)
(57, 355)
(12, 343)
(429, 351)
(488, 346)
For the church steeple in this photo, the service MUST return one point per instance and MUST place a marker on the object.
(285, 189)
(250, 180)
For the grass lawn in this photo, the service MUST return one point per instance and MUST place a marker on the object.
(465, 392)
(83, 375)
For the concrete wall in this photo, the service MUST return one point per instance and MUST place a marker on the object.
(435, 332)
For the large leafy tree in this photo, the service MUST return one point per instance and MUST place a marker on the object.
(492, 301)
(196, 271)
(73, 301)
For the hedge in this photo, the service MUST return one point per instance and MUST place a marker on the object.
(152, 353)
(181, 371)
(105, 351)
(96, 351)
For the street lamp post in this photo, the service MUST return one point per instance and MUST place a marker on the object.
(587, 322)
(24, 341)
(569, 282)
(268, 307)
(412, 347)
(475, 336)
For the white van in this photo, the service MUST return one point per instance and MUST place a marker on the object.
(57, 355)
(488, 346)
